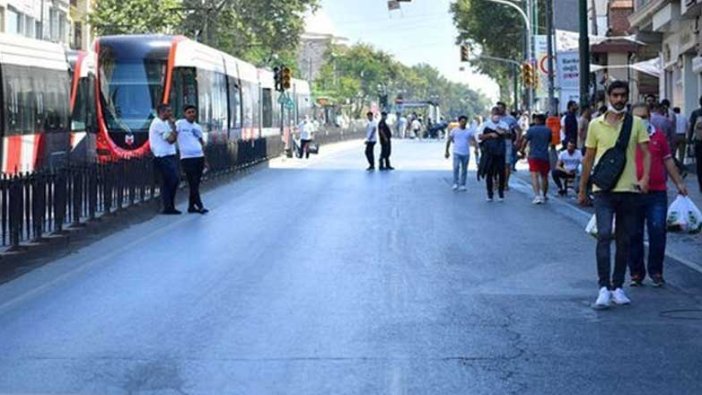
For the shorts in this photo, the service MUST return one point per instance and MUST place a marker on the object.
(541, 166)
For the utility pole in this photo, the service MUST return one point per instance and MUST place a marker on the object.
(584, 56)
(549, 49)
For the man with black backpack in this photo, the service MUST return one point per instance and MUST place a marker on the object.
(611, 143)
(694, 136)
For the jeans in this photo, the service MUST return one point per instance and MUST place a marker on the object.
(653, 213)
(623, 206)
(167, 167)
(496, 169)
(460, 165)
(698, 160)
(370, 146)
(193, 168)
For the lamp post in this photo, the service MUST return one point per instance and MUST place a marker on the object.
(528, 52)
(584, 55)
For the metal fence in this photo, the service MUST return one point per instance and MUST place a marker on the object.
(39, 204)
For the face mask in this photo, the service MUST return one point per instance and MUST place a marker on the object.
(611, 109)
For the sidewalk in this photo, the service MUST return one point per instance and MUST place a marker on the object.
(683, 247)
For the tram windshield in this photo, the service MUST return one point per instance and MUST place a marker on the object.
(129, 93)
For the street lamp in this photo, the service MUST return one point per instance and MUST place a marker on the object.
(527, 24)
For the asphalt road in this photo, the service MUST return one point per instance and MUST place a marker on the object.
(316, 277)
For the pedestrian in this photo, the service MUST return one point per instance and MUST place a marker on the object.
(462, 137)
(620, 201)
(416, 127)
(401, 125)
(654, 205)
(694, 137)
(513, 135)
(570, 124)
(162, 138)
(583, 124)
(538, 138)
(680, 142)
(385, 135)
(661, 121)
(305, 129)
(371, 138)
(192, 156)
(492, 160)
(567, 166)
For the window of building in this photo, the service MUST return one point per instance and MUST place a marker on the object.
(78, 35)
(13, 23)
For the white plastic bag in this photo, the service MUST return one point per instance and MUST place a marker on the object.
(684, 216)
(591, 227)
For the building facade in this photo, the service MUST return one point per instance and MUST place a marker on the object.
(671, 29)
(60, 21)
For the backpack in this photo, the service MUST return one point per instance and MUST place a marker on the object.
(697, 128)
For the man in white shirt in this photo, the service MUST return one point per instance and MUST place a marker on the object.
(305, 129)
(162, 138)
(567, 166)
(371, 139)
(192, 156)
(416, 128)
(681, 127)
(462, 138)
(401, 126)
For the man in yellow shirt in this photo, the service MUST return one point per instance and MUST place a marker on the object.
(620, 203)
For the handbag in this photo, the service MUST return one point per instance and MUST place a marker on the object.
(611, 165)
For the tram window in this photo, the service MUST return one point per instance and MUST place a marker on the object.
(19, 100)
(267, 108)
(55, 101)
(234, 105)
(79, 114)
(219, 102)
(183, 90)
(248, 104)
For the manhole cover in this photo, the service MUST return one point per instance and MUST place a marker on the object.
(682, 314)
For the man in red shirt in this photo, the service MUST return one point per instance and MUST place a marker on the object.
(655, 205)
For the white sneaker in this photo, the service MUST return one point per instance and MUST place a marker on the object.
(462, 188)
(501, 200)
(489, 200)
(454, 187)
(537, 200)
(604, 299)
(619, 297)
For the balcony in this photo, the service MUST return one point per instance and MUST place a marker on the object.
(644, 10)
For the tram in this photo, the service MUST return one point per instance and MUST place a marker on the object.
(35, 109)
(236, 101)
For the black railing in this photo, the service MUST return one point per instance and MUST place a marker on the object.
(36, 205)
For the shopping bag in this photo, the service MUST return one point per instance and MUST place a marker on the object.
(684, 216)
(591, 227)
(313, 148)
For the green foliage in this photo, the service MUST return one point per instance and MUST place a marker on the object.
(495, 30)
(358, 74)
(135, 16)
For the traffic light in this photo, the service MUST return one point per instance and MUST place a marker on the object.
(464, 53)
(287, 77)
(278, 77)
(527, 74)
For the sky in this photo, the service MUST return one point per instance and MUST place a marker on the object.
(421, 32)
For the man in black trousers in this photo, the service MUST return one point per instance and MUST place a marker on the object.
(371, 138)
(162, 138)
(385, 135)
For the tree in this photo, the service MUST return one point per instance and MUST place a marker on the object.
(135, 16)
(359, 74)
(494, 30)
(256, 31)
